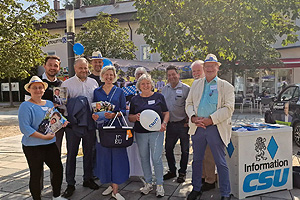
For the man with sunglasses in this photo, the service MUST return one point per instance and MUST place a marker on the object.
(209, 106)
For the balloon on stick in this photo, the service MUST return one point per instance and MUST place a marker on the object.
(150, 120)
(78, 49)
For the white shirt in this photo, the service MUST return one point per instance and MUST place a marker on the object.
(44, 76)
(76, 87)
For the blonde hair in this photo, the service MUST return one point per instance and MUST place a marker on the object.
(144, 77)
(105, 69)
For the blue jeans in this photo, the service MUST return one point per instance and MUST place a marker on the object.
(210, 136)
(174, 132)
(151, 144)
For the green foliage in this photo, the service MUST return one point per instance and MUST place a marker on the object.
(155, 73)
(21, 36)
(105, 34)
(235, 30)
(91, 2)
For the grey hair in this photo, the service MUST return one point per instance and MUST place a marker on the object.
(199, 62)
(144, 77)
(105, 69)
(140, 69)
(79, 60)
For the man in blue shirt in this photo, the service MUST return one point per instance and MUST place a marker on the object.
(210, 105)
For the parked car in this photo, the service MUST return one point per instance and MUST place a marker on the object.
(286, 110)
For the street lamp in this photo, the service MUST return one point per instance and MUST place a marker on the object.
(70, 37)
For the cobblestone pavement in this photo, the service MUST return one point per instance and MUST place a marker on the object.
(14, 173)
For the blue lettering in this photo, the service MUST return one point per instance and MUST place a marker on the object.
(154, 122)
(267, 181)
(247, 181)
(283, 179)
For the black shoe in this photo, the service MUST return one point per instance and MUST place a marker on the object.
(91, 184)
(208, 186)
(169, 175)
(181, 178)
(226, 198)
(69, 191)
(194, 195)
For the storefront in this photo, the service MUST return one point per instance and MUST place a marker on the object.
(269, 81)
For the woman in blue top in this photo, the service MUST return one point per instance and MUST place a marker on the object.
(150, 143)
(39, 148)
(112, 165)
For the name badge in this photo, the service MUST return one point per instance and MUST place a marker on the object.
(45, 108)
(151, 102)
(178, 91)
(213, 87)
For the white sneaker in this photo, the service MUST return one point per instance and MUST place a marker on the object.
(107, 191)
(160, 192)
(147, 188)
(117, 196)
(59, 198)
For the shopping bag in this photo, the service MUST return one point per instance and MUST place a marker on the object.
(116, 136)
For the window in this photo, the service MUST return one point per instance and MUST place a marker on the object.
(287, 94)
(145, 53)
(51, 53)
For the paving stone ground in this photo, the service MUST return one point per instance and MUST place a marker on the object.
(14, 174)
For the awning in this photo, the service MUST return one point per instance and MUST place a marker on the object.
(291, 62)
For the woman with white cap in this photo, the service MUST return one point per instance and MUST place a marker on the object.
(39, 148)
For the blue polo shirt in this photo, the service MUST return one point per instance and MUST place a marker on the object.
(209, 99)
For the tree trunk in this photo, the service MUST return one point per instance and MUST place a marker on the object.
(233, 76)
(11, 103)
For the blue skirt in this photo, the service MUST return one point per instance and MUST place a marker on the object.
(112, 165)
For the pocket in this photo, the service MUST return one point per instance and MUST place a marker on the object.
(213, 99)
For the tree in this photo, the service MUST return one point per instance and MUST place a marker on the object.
(21, 37)
(105, 34)
(239, 32)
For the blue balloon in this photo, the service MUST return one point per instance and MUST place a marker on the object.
(106, 62)
(78, 49)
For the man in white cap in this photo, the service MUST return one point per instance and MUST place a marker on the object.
(208, 171)
(97, 63)
(210, 105)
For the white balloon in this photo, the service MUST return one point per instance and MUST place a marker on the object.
(150, 120)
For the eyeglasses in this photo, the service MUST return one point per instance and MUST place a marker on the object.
(37, 88)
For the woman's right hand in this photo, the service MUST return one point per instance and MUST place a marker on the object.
(49, 136)
(95, 117)
(138, 116)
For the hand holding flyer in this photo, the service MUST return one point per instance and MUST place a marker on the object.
(52, 122)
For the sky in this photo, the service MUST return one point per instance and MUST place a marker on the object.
(50, 2)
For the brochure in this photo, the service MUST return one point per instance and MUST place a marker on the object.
(52, 122)
(60, 95)
(101, 107)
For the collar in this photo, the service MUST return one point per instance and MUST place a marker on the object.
(177, 86)
(80, 79)
(44, 76)
(212, 81)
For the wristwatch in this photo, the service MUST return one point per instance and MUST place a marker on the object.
(165, 122)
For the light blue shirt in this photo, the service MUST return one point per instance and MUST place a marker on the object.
(30, 116)
(209, 99)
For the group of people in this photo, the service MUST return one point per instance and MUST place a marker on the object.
(203, 110)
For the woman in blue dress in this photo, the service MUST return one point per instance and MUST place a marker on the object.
(112, 165)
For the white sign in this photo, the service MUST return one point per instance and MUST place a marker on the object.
(260, 161)
(5, 87)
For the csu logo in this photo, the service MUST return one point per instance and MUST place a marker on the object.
(154, 122)
(118, 139)
(269, 176)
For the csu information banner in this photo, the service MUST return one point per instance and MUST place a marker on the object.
(260, 161)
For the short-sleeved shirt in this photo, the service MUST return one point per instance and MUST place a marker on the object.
(30, 116)
(156, 102)
(209, 99)
(175, 99)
